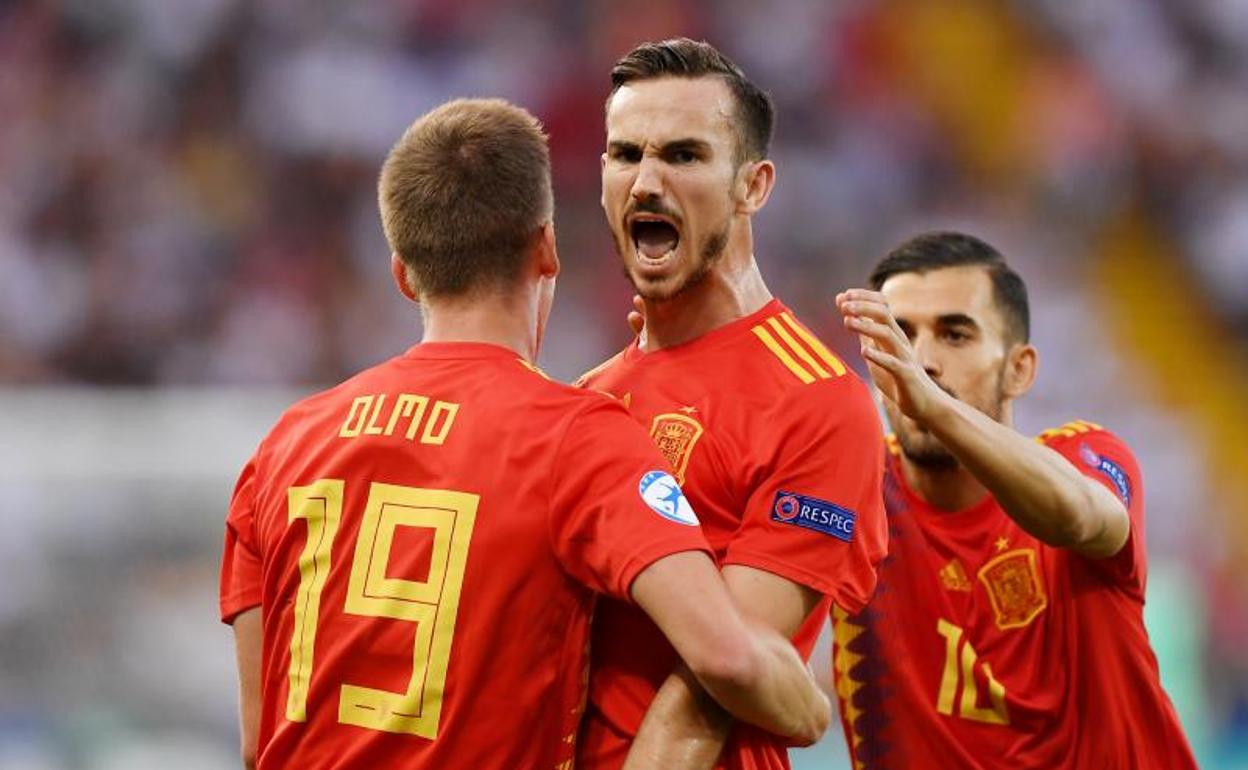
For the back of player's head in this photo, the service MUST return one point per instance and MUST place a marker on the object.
(933, 251)
(462, 194)
(684, 58)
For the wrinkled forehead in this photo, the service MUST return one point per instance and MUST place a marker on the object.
(924, 298)
(666, 109)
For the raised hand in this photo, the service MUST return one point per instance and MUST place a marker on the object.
(893, 363)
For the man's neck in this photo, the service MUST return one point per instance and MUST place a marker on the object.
(495, 319)
(723, 296)
(945, 489)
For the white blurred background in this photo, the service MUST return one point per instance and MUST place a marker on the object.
(189, 241)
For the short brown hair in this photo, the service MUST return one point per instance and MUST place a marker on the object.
(462, 194)
(684, 58)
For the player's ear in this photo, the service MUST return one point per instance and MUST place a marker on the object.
(755, 183)
(602, 170)
(403, 278)
(546, 252)
(1020, 370)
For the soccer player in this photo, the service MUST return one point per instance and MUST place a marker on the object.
(777, 444)
(1007, 629)
(412, 557)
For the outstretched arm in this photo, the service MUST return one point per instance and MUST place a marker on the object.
(1046, 495)
(684, 728)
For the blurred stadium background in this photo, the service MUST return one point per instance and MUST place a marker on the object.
(189, 241)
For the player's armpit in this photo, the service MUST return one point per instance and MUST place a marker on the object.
(248, 649)
(750, 669)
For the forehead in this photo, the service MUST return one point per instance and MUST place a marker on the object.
(923, 297)
(671, 108)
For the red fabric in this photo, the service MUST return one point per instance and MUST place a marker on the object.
(1081, 686)
(559, 516)
(763, 431)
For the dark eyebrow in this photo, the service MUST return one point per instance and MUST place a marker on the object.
(956, 319)
(693, 145)
(617, 145)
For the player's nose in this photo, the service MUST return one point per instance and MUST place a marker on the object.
(927, 356)
(648, 184)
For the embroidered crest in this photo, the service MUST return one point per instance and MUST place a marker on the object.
(1014, 587)
(953, 576)
(676, 434)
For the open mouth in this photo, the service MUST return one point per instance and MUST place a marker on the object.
(655, 239)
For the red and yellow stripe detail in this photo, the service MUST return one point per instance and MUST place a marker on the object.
(800, 351)
(843, 661)
(533, 368)
(1072, 428)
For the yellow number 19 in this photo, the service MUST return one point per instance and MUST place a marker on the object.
(431, 603)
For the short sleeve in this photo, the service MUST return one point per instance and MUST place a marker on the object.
(815, 514)
(615, 507)
(241, 561)
(1103, 457)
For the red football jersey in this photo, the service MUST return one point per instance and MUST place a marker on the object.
(780, 449)
(985, 648)
(425, 542)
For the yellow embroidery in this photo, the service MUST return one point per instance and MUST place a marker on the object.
(675, 435)
(953, 576)
(1014, 588)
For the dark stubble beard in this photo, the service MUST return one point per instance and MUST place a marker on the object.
(925, 450)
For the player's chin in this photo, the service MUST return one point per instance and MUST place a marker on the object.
(655, 285)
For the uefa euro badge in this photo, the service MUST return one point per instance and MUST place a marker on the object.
(661, 492)
(676, 434)
(1014, 587)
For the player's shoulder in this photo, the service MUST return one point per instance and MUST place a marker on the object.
(1073, 431)
(1089, 442)
(591, 377)
(797, 366)
(540, 389)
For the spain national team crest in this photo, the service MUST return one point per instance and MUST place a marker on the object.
(1014, 587)
(676, 434)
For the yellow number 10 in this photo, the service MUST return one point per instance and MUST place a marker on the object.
(969, 707)
(431, 603)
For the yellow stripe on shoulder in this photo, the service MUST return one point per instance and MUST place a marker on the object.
(799, 350)
(834, 363)
(1072, 428)
(781, 353)
(532, 368)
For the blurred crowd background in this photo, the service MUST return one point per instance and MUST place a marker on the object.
(189, 240)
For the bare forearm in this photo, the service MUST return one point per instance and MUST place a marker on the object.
(1046, 495)
(684, 729)
(779, 695)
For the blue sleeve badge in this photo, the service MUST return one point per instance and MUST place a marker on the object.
(813, 513)
(663, 494)
(1110, 470)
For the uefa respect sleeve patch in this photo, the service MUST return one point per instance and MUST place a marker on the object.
(813, 513)
(1110, 470)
